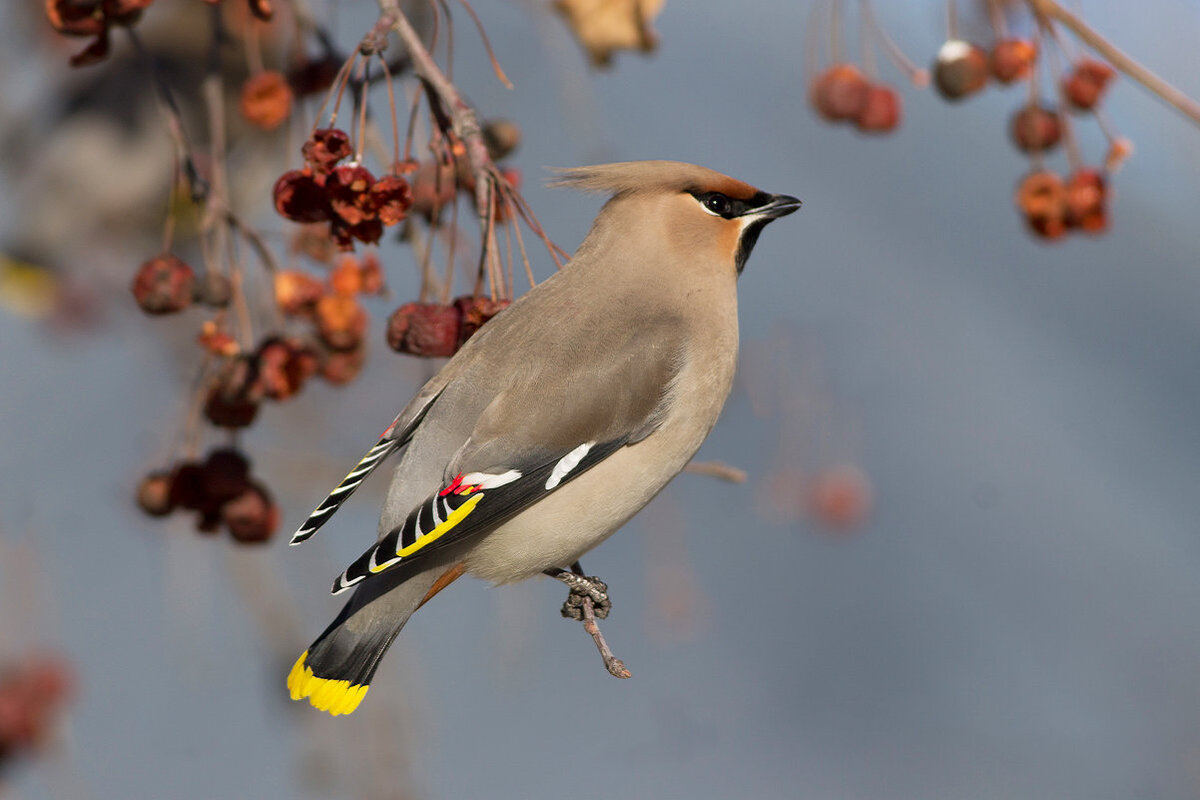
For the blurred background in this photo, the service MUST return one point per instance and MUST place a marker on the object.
(963, 561)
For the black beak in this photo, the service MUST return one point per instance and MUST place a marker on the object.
(780, 206)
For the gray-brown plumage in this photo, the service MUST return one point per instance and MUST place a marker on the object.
(561, 418)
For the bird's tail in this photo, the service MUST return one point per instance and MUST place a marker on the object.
(335, 672)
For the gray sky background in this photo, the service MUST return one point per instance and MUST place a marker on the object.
(1017, 620)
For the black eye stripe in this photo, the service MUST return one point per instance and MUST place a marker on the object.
(729, 207)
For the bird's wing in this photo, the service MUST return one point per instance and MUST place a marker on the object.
(531, 439)
(396, 436)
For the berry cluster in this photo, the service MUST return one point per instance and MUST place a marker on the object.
(356, 205)
(1050, 204)
(33, 696)
(220, 490)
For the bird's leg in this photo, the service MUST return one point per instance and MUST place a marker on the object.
(588, 600)
(582, 586)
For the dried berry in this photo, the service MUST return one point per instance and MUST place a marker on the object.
(325, 148)
(346, 277)
(251, 517)
(424, 329)
(434, 188)
(224, 474)
(391, 197)
(1087, 200)
(216, 340)
(370, 273)
(1012, 60)
(154, 494)
(368, 231)
(283, 366)
(266, 100)
(341, 322)
(1042, 198)
(1035, 129)
(300, 197)
(187, 487)
(163, 285)
(234, 396)
(348, 188)
(1085, 84)
(342, 366)
(297, 292)
(839, 92)
(961, 69)
(474, 312)
(881, 110)
(75, 18)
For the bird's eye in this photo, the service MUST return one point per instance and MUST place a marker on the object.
(718, 204)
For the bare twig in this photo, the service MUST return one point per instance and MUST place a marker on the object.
(615, 666)
(717, 469)
(1050, 9)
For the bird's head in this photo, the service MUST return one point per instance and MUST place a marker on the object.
(700, 214)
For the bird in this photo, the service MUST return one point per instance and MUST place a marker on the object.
(559, 420)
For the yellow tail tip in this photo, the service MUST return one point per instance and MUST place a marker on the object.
(327, 694)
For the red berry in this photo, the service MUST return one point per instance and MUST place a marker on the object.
(881, 110)
(1012, 59)
(1087, 200)
(473, 312)
(392, 197)
(300, 197)
(839, 92)
(163, 285)
(251, 516)
(348, 188)
(961, 69)
(187, 487)
(1042, 200)
(424, 329)
(297, 292)
(224, 474)
(234, 396)
(1035, 129)
(325, 148)
(154, 494)
(342, 366)
(1086, 83)
(266, 100)
(341, 322)
(840, 497)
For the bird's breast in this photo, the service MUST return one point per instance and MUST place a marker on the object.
(582, 513)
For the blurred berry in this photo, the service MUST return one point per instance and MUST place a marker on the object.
(1085, 84)
(1012, 60)
(224, 474)
(840, 497)
(881, 110)
(297, 292)
(339, 367)
(163, 285)
(839, 92)
(961, 69)
(283, 366)
(235, 394)
(251, 516)
(341, 322)
(1041, 199)
(1087, 200)
(266, 100)
(154, 494)
(1035, 129)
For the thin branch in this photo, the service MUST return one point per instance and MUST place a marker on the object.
(1156, 85)
(615, 666)
(717, 469)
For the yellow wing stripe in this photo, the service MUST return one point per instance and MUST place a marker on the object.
(334, 696)
(456, 516)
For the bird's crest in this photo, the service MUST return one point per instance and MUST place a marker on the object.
(633, 177)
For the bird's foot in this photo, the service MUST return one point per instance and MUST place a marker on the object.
(583, 586)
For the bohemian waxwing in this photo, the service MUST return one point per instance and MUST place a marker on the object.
(560, 419)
